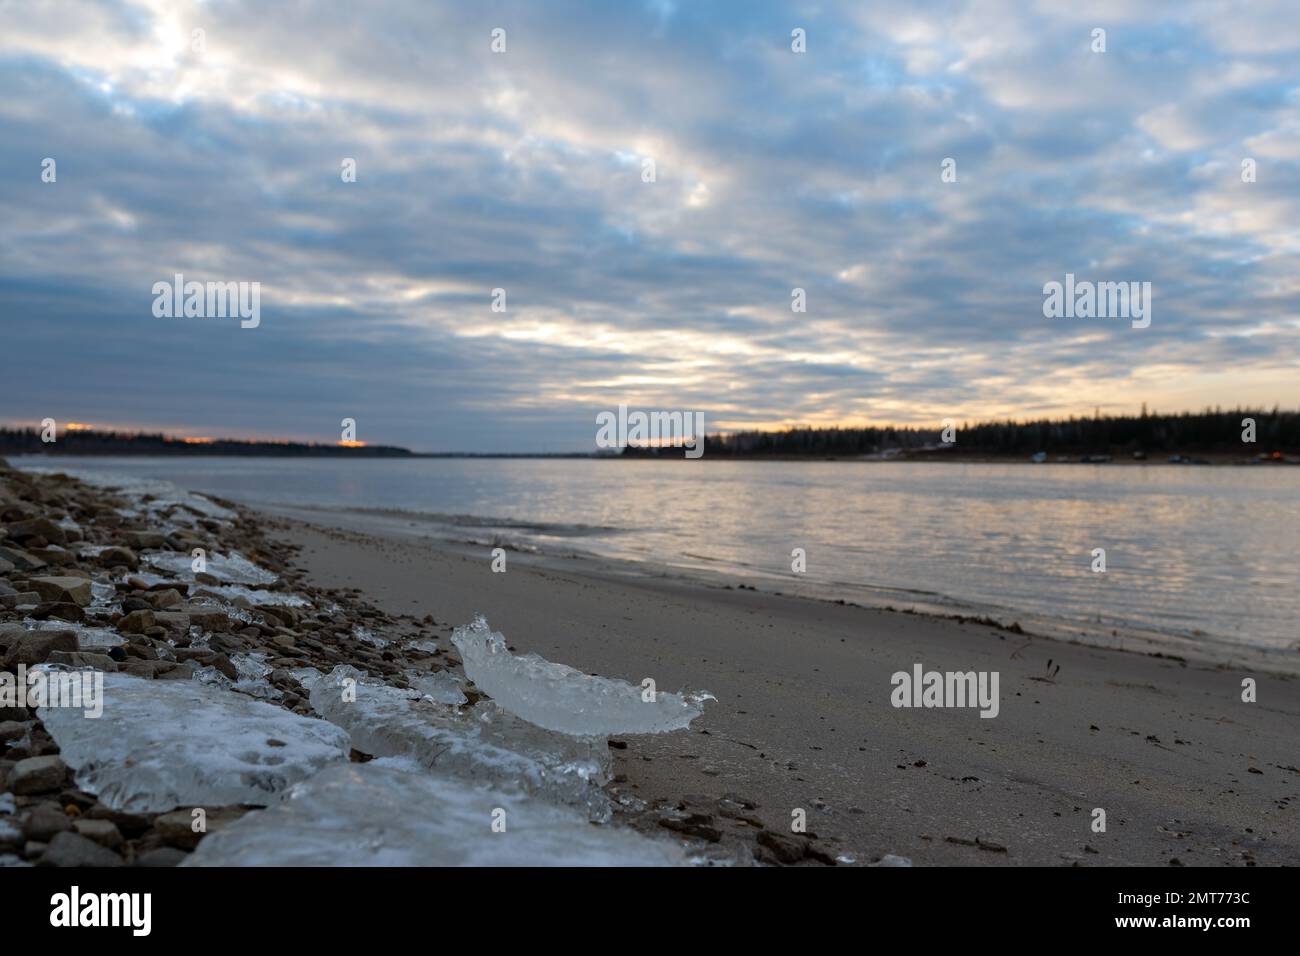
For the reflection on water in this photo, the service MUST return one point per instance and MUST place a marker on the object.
(1207, 553)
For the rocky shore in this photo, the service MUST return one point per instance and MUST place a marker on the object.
(158, 585)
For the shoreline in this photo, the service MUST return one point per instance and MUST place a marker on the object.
(802, 723)
(400, 524)
(803, 719)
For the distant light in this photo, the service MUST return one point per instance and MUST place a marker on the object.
(78, 427)
(352, 444)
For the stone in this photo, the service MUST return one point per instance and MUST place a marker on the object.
(132, 824)
(21, 646)
(165, 599)
(38, 775)
(44, 821)
(112, 557)
(103, 832)
(205, 657)
(143, 540)
(786, 849)
(162, 856)
(177, 828)
(12, 730)
(62, 589)
(22, 531)
(100, 662)
(61, 612)
(137, 622)
(20, 599)
(73, 849)
(153, 670)
(21, 559)
(172, 620)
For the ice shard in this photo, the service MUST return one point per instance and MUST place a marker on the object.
(233, 568)
(560, 698)
(481, 744)
(439, 686)
(368, 815)
(165, 744)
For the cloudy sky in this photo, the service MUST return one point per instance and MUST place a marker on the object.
(523, 170)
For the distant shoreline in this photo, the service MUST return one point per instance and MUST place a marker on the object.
(948, 458)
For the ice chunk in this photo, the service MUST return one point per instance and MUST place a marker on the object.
(89, 638)
(440, 687)
(563, 699)
(251, 669)
(165, 744)
(367, 815)
(232, 567)
(256, 598)
(103, 594)
(369, 636)
(484, 744)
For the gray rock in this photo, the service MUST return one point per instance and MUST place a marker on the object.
(143, 540)
(20, 599)
(177, 827)
(44, 821)
(162, 856)
(64, 611)
(21, 531)
(112, 557)
(21, 559)
(137, 622)
(73, 849)
(62, 589)
(38, 775)
(101, 662)
(12, 730)
(103, 832)
(21, 646)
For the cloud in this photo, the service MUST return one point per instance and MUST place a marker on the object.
(218, 155)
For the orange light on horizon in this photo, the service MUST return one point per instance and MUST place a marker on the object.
(202, 440)
(351, 444)
(78, 427)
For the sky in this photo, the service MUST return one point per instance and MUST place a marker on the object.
(219, 155)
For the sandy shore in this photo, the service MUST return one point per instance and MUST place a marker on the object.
(1187, 772)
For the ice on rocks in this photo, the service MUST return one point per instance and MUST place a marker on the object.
(165, 744)
(369, 636)
(255, 598)
(440, 687)
(368, 815)
(252, 670)
(151, 496)
(233, 567)
(562, 699)
(482, 744)
(103, 595)
(89, 638)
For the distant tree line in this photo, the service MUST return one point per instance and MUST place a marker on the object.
(91, 442)
(1213, 431)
